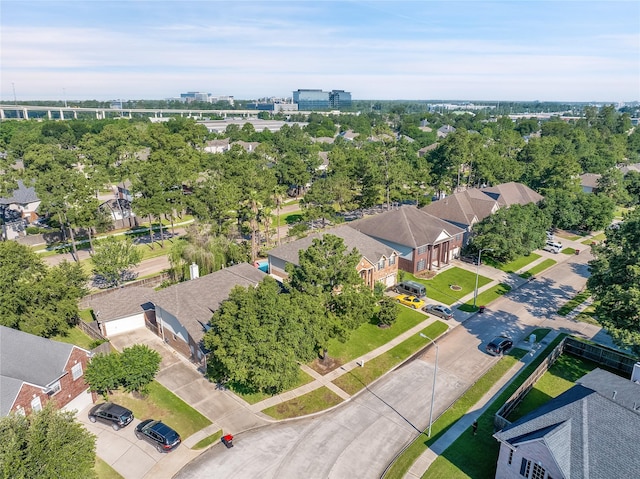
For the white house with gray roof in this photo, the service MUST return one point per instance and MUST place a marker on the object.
(378, 262)
(591, 431)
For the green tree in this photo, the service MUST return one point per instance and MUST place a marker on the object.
(113, 258)
(48, 444)
(140, 364)
(388, 312)
(104, 373)
(615, 282)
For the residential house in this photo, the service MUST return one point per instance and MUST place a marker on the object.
(35, 370)
(122, 310)
(589, 182)
(632, 167)
(248, 146)
(349, 135)
(468, 207)
(217, 146)
(590, 431)
(426, 149)
(445, 131)
(324, 162)
(24, 200)
(183, 310)
(378, 262)
(423, 241)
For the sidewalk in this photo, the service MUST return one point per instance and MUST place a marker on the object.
(424, 461)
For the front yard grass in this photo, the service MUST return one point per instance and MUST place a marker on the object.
(568, 251)
(290, 218)
(369, 337)
(105, 471)
(547, 263)
(574, 302)
(75, 336)
(596, 238)
(208, 440)
(515, 265)
(253, 397)
(314, 401)
(559, 378)
(161, 403)
(358, 378)
(486, 297)
(439, 287)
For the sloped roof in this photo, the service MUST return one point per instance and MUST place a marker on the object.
(194, 302)
(406, 226)
(25, 358)
(120, 303)
(590, 180)
(368, 247)
(632, 167)
(585, 430)
(514, 193)
(21, 196)
(464, 208)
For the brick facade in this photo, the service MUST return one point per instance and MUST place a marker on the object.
(69, 388)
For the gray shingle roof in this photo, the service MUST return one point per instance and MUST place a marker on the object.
(590, 180)
(28, 358)
(585, 430)
(194, 302)
(120, 303)
(406, 226)
(513, 193)
(368, 247)
(22, 196)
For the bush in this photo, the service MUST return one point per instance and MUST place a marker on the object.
(388, 312)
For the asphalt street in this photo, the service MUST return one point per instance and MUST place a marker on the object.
(361, 437)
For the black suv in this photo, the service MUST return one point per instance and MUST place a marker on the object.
(499, 345)
(110, 413)
(158, 434)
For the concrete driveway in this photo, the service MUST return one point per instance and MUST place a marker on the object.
(130, 457)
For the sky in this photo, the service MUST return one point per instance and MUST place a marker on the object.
(515, 50)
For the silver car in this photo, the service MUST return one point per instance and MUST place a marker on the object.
(438, 310)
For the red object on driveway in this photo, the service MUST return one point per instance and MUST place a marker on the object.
(227, 440)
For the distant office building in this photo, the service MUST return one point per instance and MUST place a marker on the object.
(203, 97)
(321, 100)
(270, 106)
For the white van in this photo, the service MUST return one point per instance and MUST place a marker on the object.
(554, 244)
(551, 249)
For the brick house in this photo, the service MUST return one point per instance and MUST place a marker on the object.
(24, 200)
(378, 262)
(590, 431)
(35, 370)
(423, 241)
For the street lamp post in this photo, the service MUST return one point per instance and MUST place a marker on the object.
(433, 388)
(475, 292)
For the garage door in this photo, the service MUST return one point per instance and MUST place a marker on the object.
(124, 325)
(80, 403)
(390, 281)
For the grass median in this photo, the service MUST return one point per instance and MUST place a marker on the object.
(547, 263)
(314, 401)
(485, 297)
(358, 378)
(573, 303)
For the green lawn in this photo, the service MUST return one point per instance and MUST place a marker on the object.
(573, 303)
(287, 219)
(596, 238)
(475, 456)
(486, 297)
(547, 263)
(369, 337)
(161, 403)
(75, 336)
(451, 415)
(356, 379)
(208, 440)
(314, 401)
(253, 397)
(439, 287)
(587, 315)
(105, 471)
(568, 251)
(559, 378)
(86, 315)
(515, 265)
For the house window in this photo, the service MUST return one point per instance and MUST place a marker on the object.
(510, 456)
(381, 264)
(20, 410)
(538, 472)
(54, 388)
(422, 265)
(36, 405)
(392, 260)
(422, 249)
(76, 371)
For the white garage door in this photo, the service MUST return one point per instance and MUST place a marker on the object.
(390, 281)
(80, 403)
(124, 325)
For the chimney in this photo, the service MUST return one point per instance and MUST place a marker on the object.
(194, 272)
(614, 395)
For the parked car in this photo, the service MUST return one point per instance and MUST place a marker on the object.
(554, 244)
(411, 301)
(551, 249)
(499, 345)
(438, 310)
(110, 413)
(469, 259)
(158, 434)
(412, 288)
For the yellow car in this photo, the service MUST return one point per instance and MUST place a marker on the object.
(411, 301)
